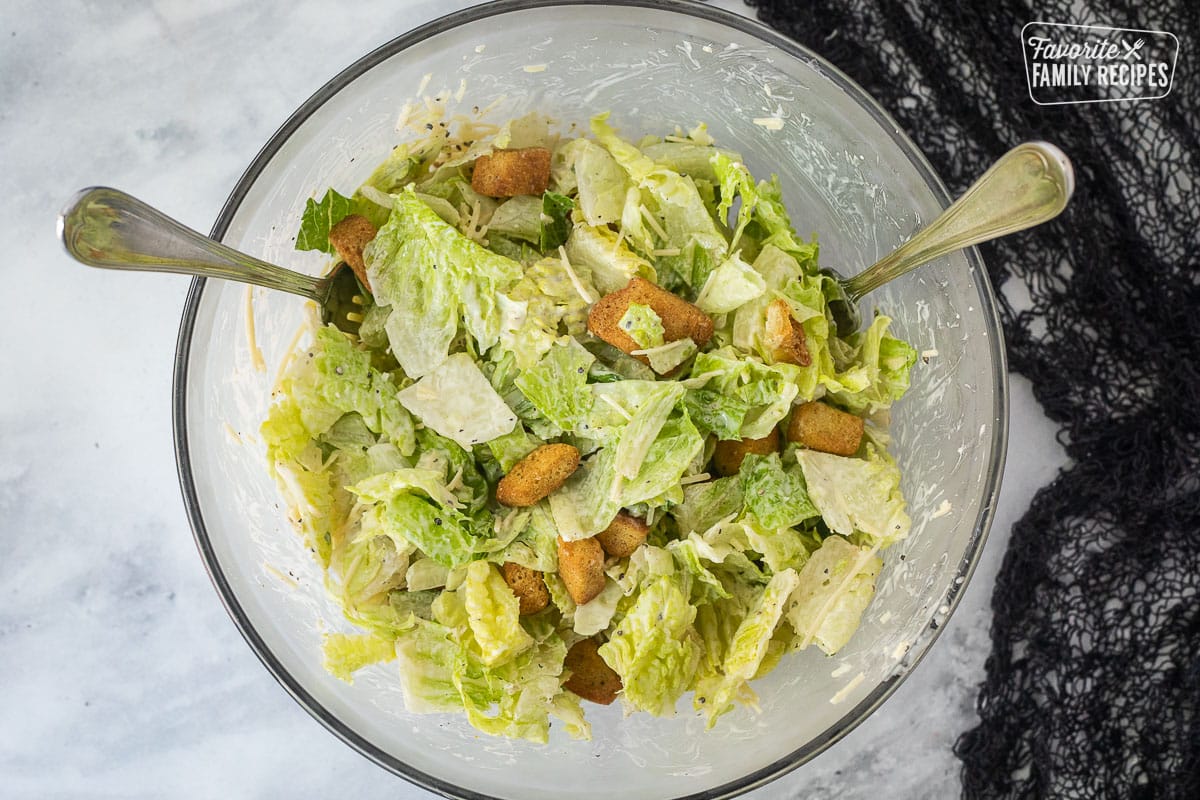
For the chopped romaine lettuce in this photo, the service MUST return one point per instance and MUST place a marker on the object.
(456, 400)
(652, 649)
(475, 348)
(835, 587)
(857, 494)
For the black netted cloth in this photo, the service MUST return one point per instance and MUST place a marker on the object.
(1093, 683)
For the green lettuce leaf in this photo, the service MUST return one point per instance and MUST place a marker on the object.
(705, 504)
(590, 498)
(345, 654)
(438, 532)
(611, 262)
(857, 494)
(735, 180)
(768, 389)
(602, 184)
(643, 325)
(778, 497)
(729, 286)
(557, 384)
(641, 433)
(689, 158)
(676, 446)
(653, 649)
(747, 648)
(716, 413)
(835, 587)
(431, 276)
(493, 614)
(518, 217)
(770, 225)
(555, 221)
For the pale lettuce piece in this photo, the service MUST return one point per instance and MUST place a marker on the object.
(666, 357)
(781, 547)
(688, 158)
(677, 445)
(614, 406)
(595, 615)
(427, 654)
(776, 495)
(653, 648)
(681, 210)
(345, 654)
(768, 389)
(441, 206)
(512, 447)
(747, 648)
(536, 546)
(646, 563)
(493, 614)
(642, 325)
(529, 130)
(431, 276)
(611, 262)
(836, 586)
(458, 402)
(601, 182)
(313, 498)
(735, 180)
(591, 497)
(777, 269)
(424, 574)
(560, 597)
(562, 165)
(514, 699)
(729, 286)
(857, 494)
(705, 587)
(706, 504)
(567, 708)
(337, 379)
(519, 217)
(383, 487)
(549, 296)
(641, 432)
(365, 567)
(770, 225)
(557, 384)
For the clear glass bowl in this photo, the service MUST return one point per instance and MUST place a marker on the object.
(848, 173)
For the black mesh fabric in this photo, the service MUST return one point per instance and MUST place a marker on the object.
(1093, 683)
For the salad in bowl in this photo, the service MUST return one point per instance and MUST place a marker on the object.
(591, 435)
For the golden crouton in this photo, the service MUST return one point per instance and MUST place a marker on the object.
(591, 678)
(349, 237)
(680, 319)
(728, 457)
(506, 173)
(822, 427)
(581, 567)
(624, 534)
(784, 336)
(537, 475)
(527, 585)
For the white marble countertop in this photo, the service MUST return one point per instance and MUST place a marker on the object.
(123, 676)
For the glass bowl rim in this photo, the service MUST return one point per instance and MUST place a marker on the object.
(996, 457)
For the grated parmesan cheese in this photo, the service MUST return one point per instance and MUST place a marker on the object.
(770, 123)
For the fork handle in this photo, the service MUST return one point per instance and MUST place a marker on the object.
(104, 227)
(1029, 185)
